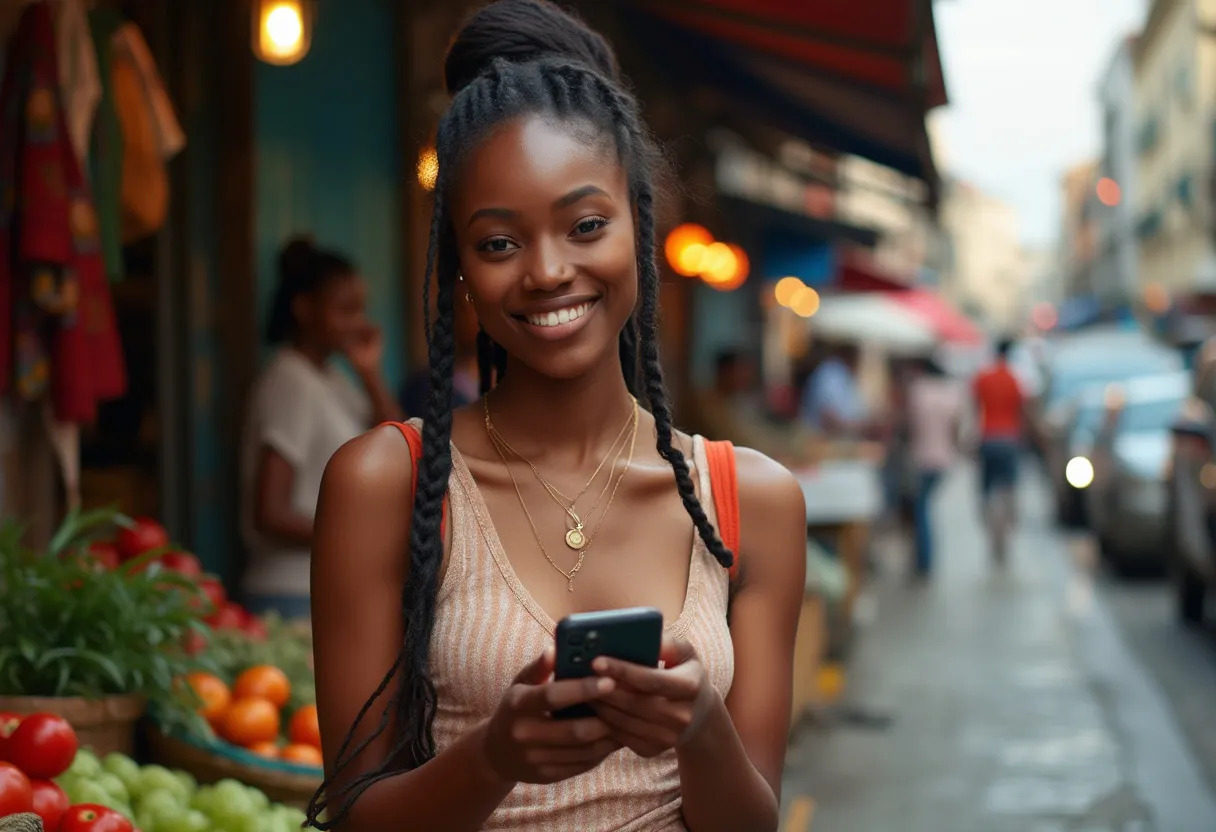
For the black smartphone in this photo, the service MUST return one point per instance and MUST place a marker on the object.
(631, 635)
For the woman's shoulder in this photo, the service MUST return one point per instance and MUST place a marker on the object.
(376, 463)
(766, 487)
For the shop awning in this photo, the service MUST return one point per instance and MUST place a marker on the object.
(873, 318)
(947, 322)
(857, 77)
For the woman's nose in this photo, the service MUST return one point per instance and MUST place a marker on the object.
(549, 268)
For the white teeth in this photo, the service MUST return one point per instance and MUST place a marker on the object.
(561, 316)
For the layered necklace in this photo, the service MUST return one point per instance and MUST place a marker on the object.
(577, 536)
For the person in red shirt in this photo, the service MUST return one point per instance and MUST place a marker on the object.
(1000, 401)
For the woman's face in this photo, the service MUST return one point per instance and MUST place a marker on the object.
(335, 315)
(545, 233)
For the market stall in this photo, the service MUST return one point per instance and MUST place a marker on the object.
(143, 690)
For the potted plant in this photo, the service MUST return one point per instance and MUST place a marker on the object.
(93, 642)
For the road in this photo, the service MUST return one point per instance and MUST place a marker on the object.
(1035, 698)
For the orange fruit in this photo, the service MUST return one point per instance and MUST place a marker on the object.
(308, 755)
(214, 694)
(266, 749)
(304, 728)
(250, 721)
(263, 682)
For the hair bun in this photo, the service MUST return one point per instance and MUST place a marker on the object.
(520, 31)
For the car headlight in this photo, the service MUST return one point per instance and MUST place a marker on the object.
(1079, 472)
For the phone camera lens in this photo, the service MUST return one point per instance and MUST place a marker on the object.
(593, 639)
(576, 658)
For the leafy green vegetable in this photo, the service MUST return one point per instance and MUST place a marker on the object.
(70, 628)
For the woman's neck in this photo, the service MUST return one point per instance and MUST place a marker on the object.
(572, 419)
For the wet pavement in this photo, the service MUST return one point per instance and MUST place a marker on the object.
(996, 701)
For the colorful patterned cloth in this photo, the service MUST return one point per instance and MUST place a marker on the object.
(58, 335)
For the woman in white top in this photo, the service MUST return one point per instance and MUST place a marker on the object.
(302, 409)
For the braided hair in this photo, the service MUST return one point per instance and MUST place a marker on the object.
(511, 59)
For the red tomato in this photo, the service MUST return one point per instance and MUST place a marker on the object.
(214, 590)
(50, 803)
(105, 554)
(182, 562)
(43, 746)
(195, 643)
(145, 534)
(255, 628)
(16, 794)
(228, 617)
(8, 723)
(89, 817)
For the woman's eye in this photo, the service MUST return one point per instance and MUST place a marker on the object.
(497, 245)
(590, 225)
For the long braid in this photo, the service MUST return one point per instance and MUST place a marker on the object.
(630, 129)
(656, 392)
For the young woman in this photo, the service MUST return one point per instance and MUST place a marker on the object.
(434, 605)
(303, 408)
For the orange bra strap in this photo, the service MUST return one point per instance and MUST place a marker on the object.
(414, 440)
(721, 458)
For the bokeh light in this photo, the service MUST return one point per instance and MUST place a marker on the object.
(685, 248)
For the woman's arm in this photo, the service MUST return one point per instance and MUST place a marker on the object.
(274, 515)
(359, 567)
(730, 772)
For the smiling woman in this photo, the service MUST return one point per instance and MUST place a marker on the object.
(434, 627)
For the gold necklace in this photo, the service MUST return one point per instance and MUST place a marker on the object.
(576, 536)
(582, 554)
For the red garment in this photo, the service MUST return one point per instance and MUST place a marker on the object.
(1000, 400)
(57, 326)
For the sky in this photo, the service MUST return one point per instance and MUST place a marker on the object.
(1022, 77)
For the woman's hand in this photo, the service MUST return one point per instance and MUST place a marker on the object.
(653, 710)
(524, 744)
(365, 350)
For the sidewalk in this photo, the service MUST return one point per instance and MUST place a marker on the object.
(1014, 706)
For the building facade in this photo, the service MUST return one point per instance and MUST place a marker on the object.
(1117, 269)
(1175, 99)
(984, 269)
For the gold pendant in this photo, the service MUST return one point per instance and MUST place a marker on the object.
(570, 584)
(575, 538)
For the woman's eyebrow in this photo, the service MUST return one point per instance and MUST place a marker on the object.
(577, 194)
(559, 203)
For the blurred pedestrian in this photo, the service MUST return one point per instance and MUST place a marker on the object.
(1001, 404)
(302, 409)
(465, 382)
(934, 418)
(831, 400)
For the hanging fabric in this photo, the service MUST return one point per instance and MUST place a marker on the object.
(58, 336)
(105, 151)
(150, 131)
(79, 75)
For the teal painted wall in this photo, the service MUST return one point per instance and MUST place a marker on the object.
(328, 157)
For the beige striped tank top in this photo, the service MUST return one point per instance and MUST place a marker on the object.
(488, 626)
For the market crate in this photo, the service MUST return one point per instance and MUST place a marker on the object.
(104, 725)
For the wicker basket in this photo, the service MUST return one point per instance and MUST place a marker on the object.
(281, 781)
(104, 725)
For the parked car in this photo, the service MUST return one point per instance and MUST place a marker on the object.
(1191, 494)
(1125, 503)
(1087, 360)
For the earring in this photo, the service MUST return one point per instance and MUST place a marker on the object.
(468, 297)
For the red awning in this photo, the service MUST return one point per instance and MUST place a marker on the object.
(857, 76)
(860, 273)
(948, 323)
